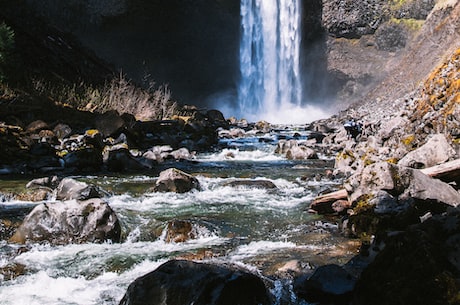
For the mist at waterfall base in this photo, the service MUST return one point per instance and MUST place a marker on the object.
(270, 86)
(288, 114)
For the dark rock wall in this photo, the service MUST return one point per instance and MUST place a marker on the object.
(348, 47)
(191, 45)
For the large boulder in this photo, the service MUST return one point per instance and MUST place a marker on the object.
(179, 282)
(435, 151)
(328, 284)
(417, 266)
(66, 222)
(174, 180)
(392, 188)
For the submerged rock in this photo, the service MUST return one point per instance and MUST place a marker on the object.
(71, 221)
(179, 282)
(174, 180)
(259, 184)
(179, 231)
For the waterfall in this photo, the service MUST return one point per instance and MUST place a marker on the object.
(269, 57)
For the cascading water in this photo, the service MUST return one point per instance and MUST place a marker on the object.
(269, 57)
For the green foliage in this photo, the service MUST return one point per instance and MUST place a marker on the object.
(6, 48)
(409, 23)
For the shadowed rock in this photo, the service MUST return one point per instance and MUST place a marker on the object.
(179, 282)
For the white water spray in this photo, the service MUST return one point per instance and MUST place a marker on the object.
(269, 57)
(270, 87)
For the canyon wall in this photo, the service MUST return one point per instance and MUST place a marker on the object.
(348, 47)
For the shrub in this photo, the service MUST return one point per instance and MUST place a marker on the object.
(120, 94)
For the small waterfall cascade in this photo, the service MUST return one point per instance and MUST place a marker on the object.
(269, 57)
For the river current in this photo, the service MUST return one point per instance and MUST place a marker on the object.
(262, 229)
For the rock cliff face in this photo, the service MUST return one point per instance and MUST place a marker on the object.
(352, 50)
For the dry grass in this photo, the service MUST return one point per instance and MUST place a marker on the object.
(120, 94)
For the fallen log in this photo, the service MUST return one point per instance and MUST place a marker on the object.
(330, 197)
(448, 171)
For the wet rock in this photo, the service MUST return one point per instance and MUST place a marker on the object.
(329, 284)
(301, 153)
(179, 231)
(284, 145)
(48, 183)
(68, 222)
(259, 184)
(181, 154)
(174, 180)
(33, 195)
(341, 206)
(8, 227)
(435, 151)
(70, 188)
(180, 282)
(11, 271)
(42, 149)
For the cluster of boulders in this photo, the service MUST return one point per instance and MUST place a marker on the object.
(103, 142)
(79, 214)
(401, 197)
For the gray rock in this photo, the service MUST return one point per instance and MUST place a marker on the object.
(70, 188)
(437, 150)
(391, 188)
(49, 183)
(301, 153)
(174, 180)
(351, 19)
(68, 222)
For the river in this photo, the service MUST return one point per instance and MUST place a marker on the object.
(261, 229)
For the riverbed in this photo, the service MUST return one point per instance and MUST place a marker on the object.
(262, 229)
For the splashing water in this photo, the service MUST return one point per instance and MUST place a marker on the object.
(269, 57)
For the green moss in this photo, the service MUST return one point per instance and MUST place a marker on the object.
(409, 23)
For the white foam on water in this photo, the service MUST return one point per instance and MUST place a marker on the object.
(259, 247)
(234, 154)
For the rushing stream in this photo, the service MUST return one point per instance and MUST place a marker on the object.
(259, 228)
